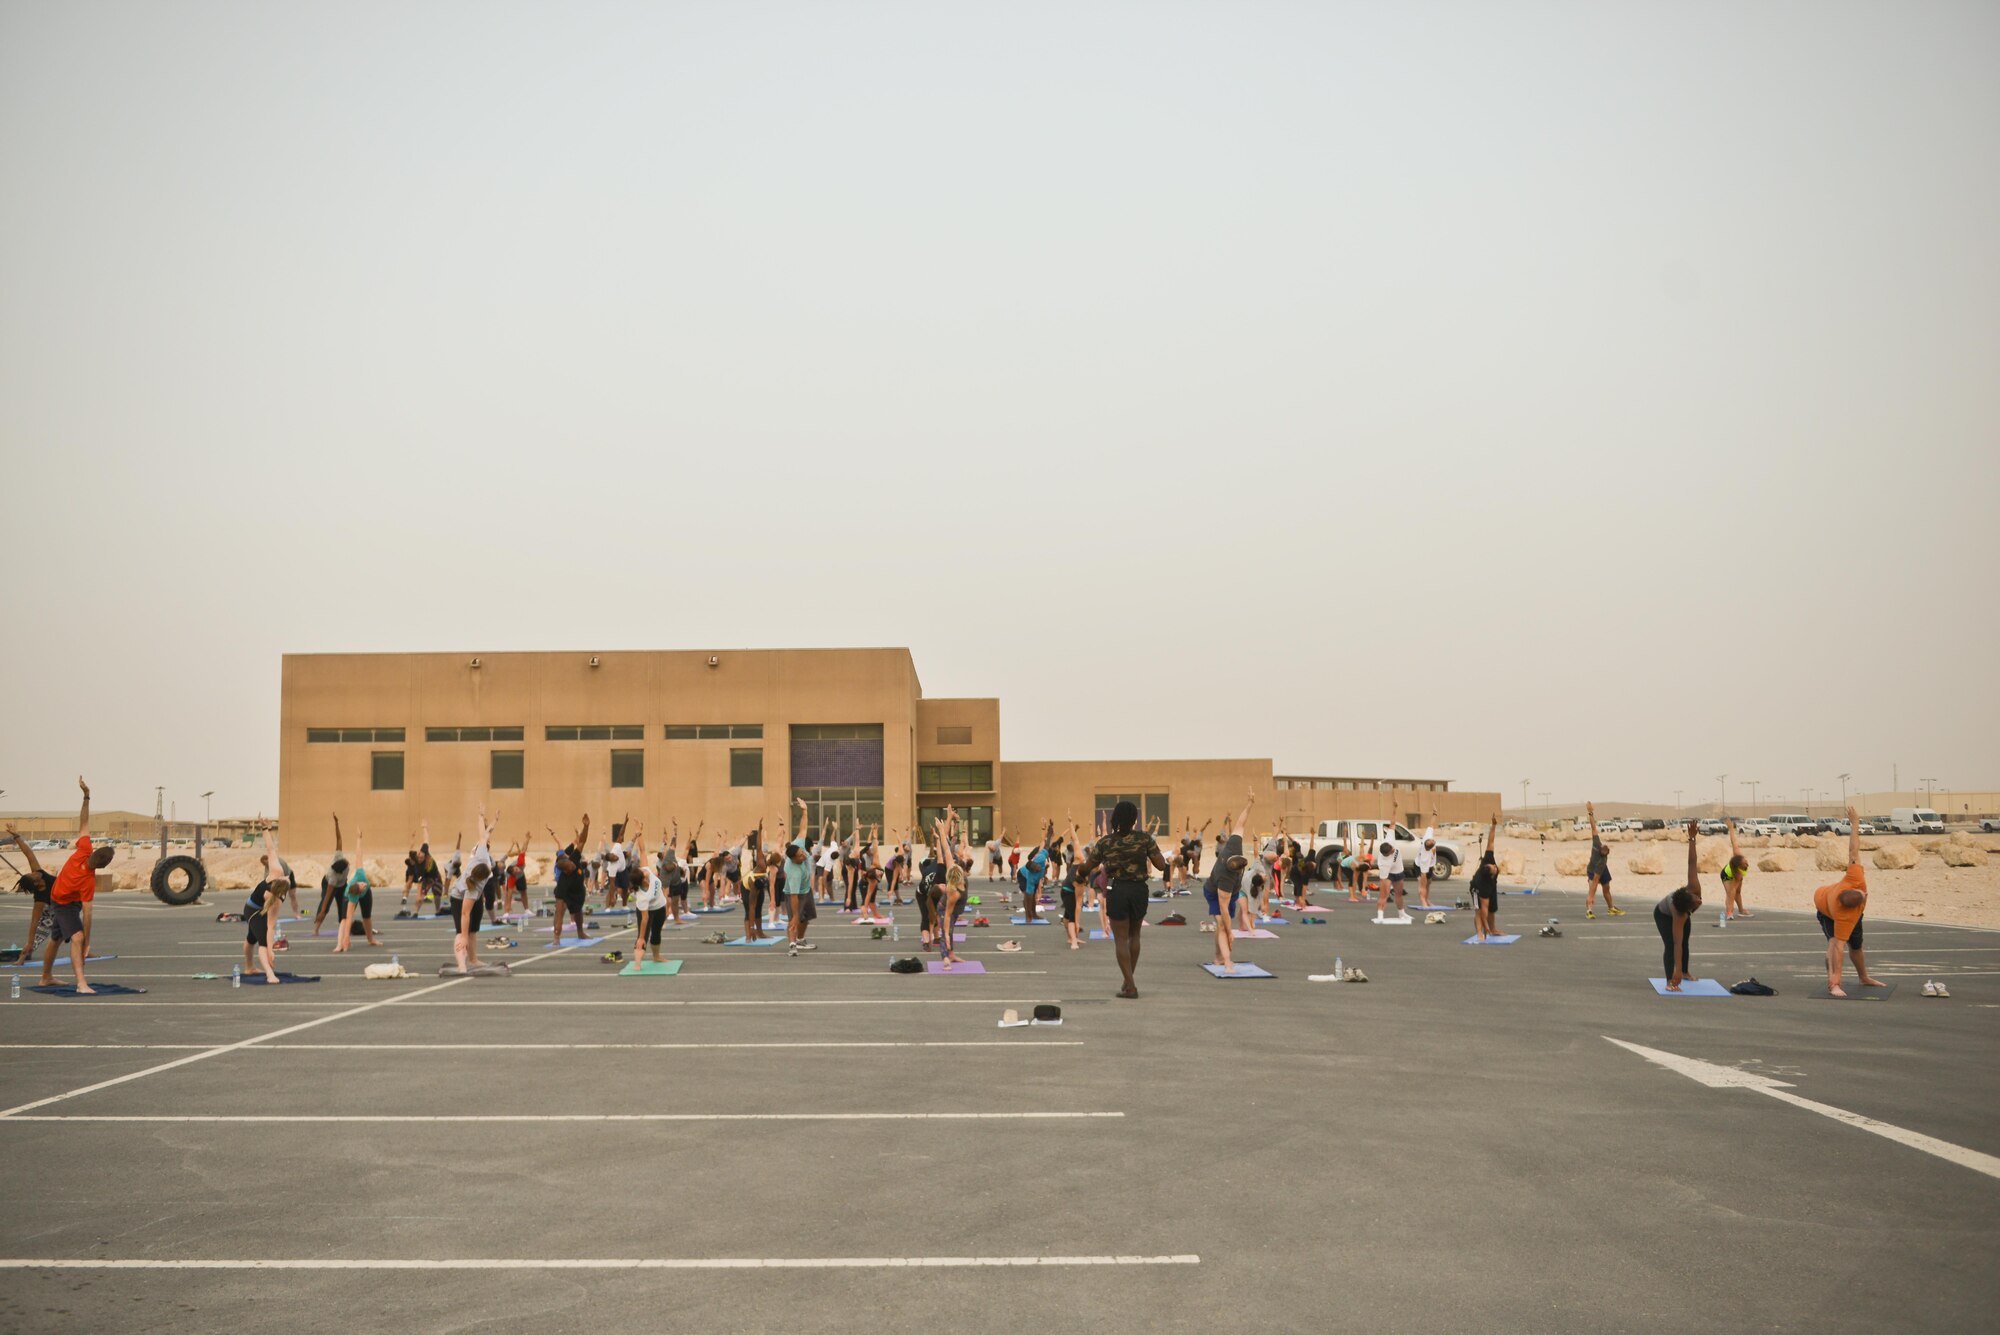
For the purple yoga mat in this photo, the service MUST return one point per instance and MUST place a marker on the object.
(963, 966)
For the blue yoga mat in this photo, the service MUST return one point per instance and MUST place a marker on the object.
(572, 943)
(731, 908)
(1707, 987)
(745, 941)
(1492, 941)
(67, 991)
(1272, 922)
(1023, 922)
(1242, 970)
(261, 981)
(62, 957)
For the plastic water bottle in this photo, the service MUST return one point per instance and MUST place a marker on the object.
(1722, 918)
(896, 931)
(14, 988)
(236, 975)
(395, 961)
(1339, 973)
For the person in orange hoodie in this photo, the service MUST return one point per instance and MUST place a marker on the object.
(1839, 907)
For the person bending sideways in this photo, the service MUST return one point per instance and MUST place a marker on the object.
(357, 896)
(944, 908)
(1839, 908)
(41, 913)
(1126, 854)
(75, 887)
(649, 901)
(570, 889)
(260, 911)
(1224, 887)
(1673, 917)
(1486, 888)
(1734, 873)
(1599, 872)
(333, 885)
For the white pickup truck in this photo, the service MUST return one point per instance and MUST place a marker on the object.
(1334, 836)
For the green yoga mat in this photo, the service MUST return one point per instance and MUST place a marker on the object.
(648, 969)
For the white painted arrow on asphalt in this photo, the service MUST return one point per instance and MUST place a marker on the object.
(1728, 1077)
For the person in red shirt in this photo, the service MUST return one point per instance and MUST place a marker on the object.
(1839, 908)
(75, 887)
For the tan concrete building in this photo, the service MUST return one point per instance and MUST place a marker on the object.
(726, 739)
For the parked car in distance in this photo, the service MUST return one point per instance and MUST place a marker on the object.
(1991, 825)
(1712, 825)
(1793, 823)
(1915, 820)
(1840, 826)
(1334, 835)
(1652, 823)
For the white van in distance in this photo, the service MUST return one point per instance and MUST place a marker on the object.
(1915, 820)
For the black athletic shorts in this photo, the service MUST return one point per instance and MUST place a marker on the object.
(1601, 877)
(1125, 901)
(1828, 926)
(571, 900)
(656, 920)
(471, 910)
(1069, 903)
(1489, 893)
(68, 922)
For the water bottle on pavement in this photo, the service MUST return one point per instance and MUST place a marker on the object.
(14, 988)
(395, 961)
(896, 931)
(1339, 973)
(236, 975)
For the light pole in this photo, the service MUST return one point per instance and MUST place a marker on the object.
(1722, 788)
(207, 808)
(1524, 797)
(1677, 804)
(1751, 784)
(1545, 806)
(1808, 794)
(1930, 798)
(1843, 792)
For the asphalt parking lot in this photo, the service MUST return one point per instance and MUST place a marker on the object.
(815, 1144)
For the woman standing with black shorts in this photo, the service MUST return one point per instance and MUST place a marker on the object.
(1674, 918)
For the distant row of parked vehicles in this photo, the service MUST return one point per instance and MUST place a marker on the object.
(1902, 820)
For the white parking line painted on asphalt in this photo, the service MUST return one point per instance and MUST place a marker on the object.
(565, 1117)
(239, 1044)
(534, 1047)
(609, 1263)
(1729, 1077)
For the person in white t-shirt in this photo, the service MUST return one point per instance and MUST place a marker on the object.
(617, 872)
(1389, 866)
(649, 900)
(1427, 859)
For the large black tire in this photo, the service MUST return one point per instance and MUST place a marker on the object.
(179, 879)
(1329, 864)
(1445, 867)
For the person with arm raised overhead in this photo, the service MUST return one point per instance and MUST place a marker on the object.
(1673, 917)
(1734, 873)
(1839, 907)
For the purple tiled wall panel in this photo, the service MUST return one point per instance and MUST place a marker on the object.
(855, 763)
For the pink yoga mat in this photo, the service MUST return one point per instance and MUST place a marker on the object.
(962, 967)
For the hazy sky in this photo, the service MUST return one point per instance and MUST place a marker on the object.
(1606, 395)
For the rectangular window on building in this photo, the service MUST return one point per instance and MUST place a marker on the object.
(836, 732)
(472, 734)
(954, 737)
(509, 771)
(837, 755)
(628, 769)
(715, 732)
(976, 824)
(594, 732)
(1149, 804)
(954, 778)
(746, 767)
(385, 771)
(354, 734)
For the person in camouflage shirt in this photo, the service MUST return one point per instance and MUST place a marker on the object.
(1128, 856)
